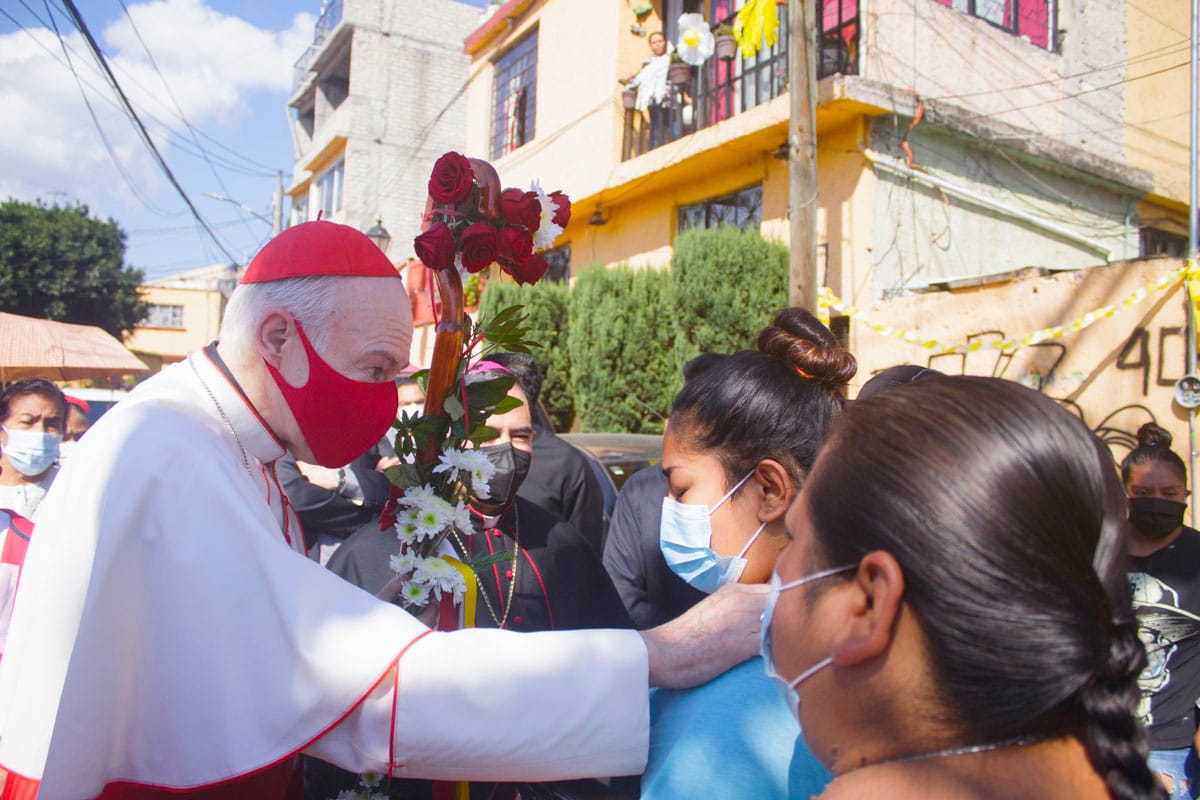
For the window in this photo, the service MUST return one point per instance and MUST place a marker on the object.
(1156, 242)
(299, 209)
(329, 188)
(163, 316)
(515, 98)
(1032, 19)
(742, 209)
(558, 263)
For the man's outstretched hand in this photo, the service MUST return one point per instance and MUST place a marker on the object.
(716, 634)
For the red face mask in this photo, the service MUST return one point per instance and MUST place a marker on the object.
(335, 437)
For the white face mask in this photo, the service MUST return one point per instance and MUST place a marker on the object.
(685, 538)
(31, 452)
(764, 647)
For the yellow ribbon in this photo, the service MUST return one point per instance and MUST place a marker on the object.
(462, 789)
(756, 26)
(827, 300)
(470, 596)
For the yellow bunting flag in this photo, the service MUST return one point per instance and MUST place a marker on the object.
(827, 300)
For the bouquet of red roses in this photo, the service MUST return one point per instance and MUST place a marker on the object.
(460, 236)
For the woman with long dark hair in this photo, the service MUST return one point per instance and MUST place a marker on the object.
(743, 434)
(1164, 572)
(952, 618)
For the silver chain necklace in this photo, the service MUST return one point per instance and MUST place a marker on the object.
(1016, 741)
(224, 417)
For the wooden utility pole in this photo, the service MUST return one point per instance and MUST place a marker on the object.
(802, 146)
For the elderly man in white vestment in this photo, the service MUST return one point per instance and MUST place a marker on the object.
(170, 635)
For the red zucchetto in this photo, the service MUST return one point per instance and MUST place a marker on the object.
(319, 248)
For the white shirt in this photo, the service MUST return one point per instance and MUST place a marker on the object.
(24, 498)
(167, 633)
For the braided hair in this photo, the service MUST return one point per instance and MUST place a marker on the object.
(1007, 518)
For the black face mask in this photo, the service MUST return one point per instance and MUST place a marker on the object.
(512, 465)
(1155, 517)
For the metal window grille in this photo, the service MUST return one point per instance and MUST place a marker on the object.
(558, 263)
(515, 97)
(1032, 19)
(741, 209)
(163, 316)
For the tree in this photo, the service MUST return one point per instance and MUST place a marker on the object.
(62, 264)
(727, 285)
(622, 334)
(545, 307)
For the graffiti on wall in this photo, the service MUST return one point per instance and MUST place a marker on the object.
(1155, 356)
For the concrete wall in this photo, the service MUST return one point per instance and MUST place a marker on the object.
(1116, 374)
(1156, 94)
(923, 235)
(945, 55)
(404, 109)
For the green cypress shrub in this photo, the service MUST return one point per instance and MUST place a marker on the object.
(622, 334)
(727, 284)
(545, 307)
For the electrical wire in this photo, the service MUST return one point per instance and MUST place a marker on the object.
(139, 126)
(179, 110)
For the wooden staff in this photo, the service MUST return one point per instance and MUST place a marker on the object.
(448, 341)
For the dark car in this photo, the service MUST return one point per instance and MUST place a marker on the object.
(613, 457)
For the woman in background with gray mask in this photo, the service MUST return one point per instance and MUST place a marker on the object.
(952, 619)
(742, 436)
(1164, 572)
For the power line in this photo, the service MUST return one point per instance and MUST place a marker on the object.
(96, 122)
(176, 138)
(141, 128)
(174, 101)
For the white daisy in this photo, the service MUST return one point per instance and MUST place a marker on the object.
(402, 563)
(462, 517)
(470, 462)
(415, 594)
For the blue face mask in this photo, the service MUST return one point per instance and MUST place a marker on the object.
(685, 538)
(31, 452)
(764, 647)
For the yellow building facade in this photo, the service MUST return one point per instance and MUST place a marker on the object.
(962, 149)
(183, 315)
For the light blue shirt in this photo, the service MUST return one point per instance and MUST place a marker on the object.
(731, 738)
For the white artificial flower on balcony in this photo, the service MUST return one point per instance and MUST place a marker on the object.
(696, 41)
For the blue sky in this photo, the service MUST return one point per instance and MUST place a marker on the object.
(223, 66)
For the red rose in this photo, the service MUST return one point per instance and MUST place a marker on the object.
(435, 247)
(516, 245)
(531, 271)
(521, 208)
(479, 246)
(562, 208)
(452, 178)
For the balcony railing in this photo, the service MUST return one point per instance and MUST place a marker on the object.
(721, 89)
(331, 15)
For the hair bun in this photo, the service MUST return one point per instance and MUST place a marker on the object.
(1151, 435)
(798, 338)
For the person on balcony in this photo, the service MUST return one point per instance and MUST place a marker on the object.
(654, 90)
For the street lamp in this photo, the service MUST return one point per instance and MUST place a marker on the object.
(379, 235)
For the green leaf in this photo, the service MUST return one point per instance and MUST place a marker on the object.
(482, 562)
(453, 408)
(482, 434)
(506, 404)
(403, 475)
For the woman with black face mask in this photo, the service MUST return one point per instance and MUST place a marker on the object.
(1165, 576)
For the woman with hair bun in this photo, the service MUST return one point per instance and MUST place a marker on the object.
(952, 619)
(742, 436)
(1164, 572)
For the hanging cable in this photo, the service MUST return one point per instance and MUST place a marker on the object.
(141, 128)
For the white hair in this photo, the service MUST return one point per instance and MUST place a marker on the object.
(311, 300)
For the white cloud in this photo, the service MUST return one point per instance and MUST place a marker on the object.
(218, 68)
